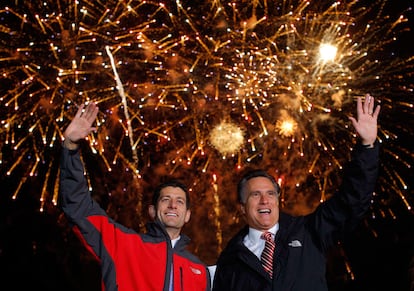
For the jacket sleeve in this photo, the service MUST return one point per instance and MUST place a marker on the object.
(76, 201)
(350, 203)
(91, 223)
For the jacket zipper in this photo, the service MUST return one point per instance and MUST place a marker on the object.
(181, 279)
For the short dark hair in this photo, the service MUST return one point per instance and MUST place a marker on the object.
(253, 174)
(170, 183)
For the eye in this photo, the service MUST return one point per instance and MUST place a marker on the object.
(254, 194)
(165, 199)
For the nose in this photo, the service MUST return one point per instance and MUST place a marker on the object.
(172, 204)
(263, 199)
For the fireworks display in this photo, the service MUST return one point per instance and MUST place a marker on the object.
(202, 91)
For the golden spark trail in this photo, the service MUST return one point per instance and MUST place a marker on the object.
(125, 104)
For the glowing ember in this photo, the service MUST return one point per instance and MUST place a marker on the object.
(227, 138)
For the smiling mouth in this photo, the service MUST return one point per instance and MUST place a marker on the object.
(171, 214)
(264, 211)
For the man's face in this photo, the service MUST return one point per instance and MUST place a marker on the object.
(261, 206)
(172, 210)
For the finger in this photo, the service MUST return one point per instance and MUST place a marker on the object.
(87, 112)
(376, 112)
(91, 111)
(79, 112)
(353, 120)
(94, 112)
(367, 103)
(371, 105)
(359, 106)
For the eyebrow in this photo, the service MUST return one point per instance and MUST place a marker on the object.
(266, 191)
(171, 196)
(272, 192)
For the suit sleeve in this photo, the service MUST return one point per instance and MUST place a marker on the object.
(351, 202)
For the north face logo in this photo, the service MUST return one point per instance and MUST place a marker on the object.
(195, 271)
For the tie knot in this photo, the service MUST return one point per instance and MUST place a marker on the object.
(267, 236)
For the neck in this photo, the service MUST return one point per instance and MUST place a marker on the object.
(173, 233)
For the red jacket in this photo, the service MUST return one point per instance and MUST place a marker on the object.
(129, 260)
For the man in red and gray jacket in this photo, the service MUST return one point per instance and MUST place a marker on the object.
(156, 260)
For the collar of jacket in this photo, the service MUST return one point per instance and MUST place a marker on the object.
(157, 230)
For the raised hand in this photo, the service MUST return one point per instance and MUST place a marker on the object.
(366, 122)
(81, 125)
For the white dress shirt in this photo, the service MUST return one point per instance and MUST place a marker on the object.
(256, 244)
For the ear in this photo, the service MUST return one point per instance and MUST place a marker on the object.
(187, 215)
(152, 212)
(242, 209)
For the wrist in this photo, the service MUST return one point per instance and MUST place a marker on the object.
(70, 145)
(368, 145)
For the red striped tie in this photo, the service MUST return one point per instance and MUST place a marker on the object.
(267, 254)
